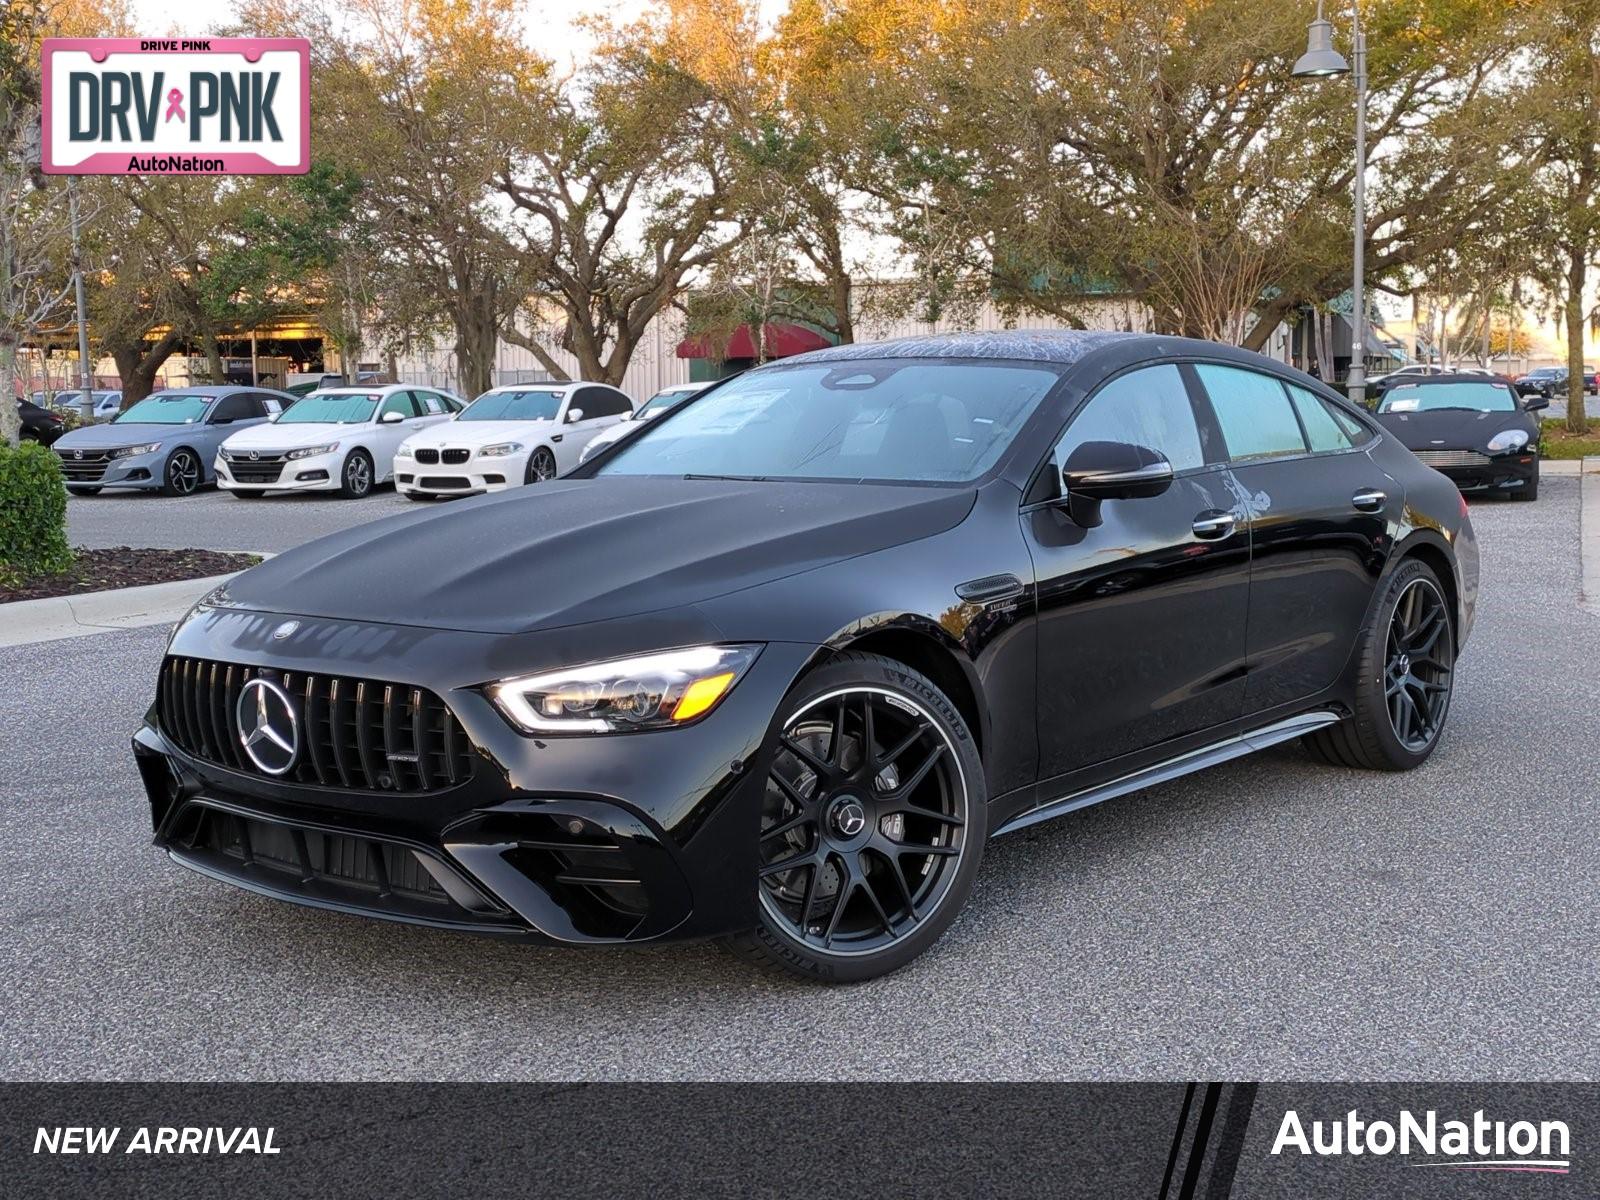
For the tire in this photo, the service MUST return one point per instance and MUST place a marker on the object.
(854, 825)
(1531, 491)
(1371, 737)
(248, 493)
(541, 467)
(84, 491)
(182, 474)
(356, 475)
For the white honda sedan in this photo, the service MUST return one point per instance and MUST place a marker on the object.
(524, 433)
(341, 440)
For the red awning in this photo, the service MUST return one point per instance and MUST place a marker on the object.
(782, 341)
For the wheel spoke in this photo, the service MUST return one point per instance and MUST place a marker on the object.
(787, 827)
(836, 739)
(902, 885)
(877, 904)
(786, 864)
(822, 767)
(927, 848)
(790, 791)
(908, 785)
(810, 900)
(900, 747)
(847, 888)
(927, 814)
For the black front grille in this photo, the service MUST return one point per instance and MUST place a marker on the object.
(455, 457)
(343, 867)
(356, 734)
(252, 472)
(426, 456)
(84, 466)
(444, 481)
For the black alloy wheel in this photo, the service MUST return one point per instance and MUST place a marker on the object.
(1419, 663)
(1407, 666)
(183, 475)
(356, 476)
(872, 824)
(541, 467)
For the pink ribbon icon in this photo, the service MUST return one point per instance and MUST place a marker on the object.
(175, 105)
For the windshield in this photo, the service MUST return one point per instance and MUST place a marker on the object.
(165, 409)
(331, 408)
(916, 421)
(662, 402)
(1470, 397)
(531, 405)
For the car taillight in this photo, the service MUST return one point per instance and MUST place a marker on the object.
(1462, 500)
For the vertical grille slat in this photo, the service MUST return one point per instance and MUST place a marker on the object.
(340, 722)
(419, 738)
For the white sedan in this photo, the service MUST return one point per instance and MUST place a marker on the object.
(665, 400)
(524, 433)
(341, 440)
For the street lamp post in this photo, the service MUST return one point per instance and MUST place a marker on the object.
(1321, 59)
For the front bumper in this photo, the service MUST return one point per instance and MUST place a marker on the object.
(626, 838)
(1508, 472)
(134, 471)
(277, 474)
(474, 477)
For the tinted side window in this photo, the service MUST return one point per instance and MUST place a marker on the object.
(601, 402)
(1322, 430)
(431, 404)
(237, 407)
(1253, 411)
(1149, 407)
(403, 403)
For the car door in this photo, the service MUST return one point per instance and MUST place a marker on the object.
(386, 437)
(1318, 510)
(434, 408)
(1141, 619)
(601, 407)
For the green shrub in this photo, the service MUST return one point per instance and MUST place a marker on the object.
(33, 514)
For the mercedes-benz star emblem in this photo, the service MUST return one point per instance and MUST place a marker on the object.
(849, 818)
(268, 728)
(284, 630)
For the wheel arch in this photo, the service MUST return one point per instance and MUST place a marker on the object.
(927, 648)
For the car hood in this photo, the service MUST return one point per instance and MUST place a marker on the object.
(575, 551)
(472, 434)
(109, 437)
(269, 435)
(1453, 430)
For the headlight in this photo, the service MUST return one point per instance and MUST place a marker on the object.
(500, 451)
(130, 451)
(1508, 439)
(653, 691)
(312, 451)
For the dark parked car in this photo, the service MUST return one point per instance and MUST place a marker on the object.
(775, 669)
(1551, 382)
(166, 442)
(39, 424)
(1475, 430)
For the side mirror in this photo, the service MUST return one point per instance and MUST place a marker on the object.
(1098, 471)
(1535, 402)
(574, 415)
(391, 418)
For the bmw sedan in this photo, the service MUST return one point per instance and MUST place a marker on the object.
(165, 442)
(509, 436)
(1477, 431)
(775, 669)
(665, 400)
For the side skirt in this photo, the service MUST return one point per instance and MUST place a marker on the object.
(1174, 768)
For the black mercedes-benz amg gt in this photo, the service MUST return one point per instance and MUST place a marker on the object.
(774, 669)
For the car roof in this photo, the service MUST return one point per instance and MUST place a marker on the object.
(211, 389)
(356, 389)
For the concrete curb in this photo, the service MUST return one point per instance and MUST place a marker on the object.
(28, 621)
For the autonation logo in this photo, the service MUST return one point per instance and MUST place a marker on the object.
(1480, 1144)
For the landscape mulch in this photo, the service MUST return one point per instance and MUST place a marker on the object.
(124, 566)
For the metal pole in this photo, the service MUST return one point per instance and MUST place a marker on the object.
(85, 377)
(1358, 323)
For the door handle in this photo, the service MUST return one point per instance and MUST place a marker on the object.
(1369, 500)
(1213, 525)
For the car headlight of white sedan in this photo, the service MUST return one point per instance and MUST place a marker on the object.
(1508, 439)
(499, 451)
(312, 451)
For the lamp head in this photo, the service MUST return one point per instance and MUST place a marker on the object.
(1320, 57)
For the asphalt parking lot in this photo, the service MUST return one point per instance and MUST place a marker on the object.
(1271, 919)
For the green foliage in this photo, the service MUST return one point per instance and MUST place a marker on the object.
(33, 514)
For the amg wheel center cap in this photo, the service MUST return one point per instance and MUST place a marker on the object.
(848, 817)
(1404, 663)
(269, 731)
